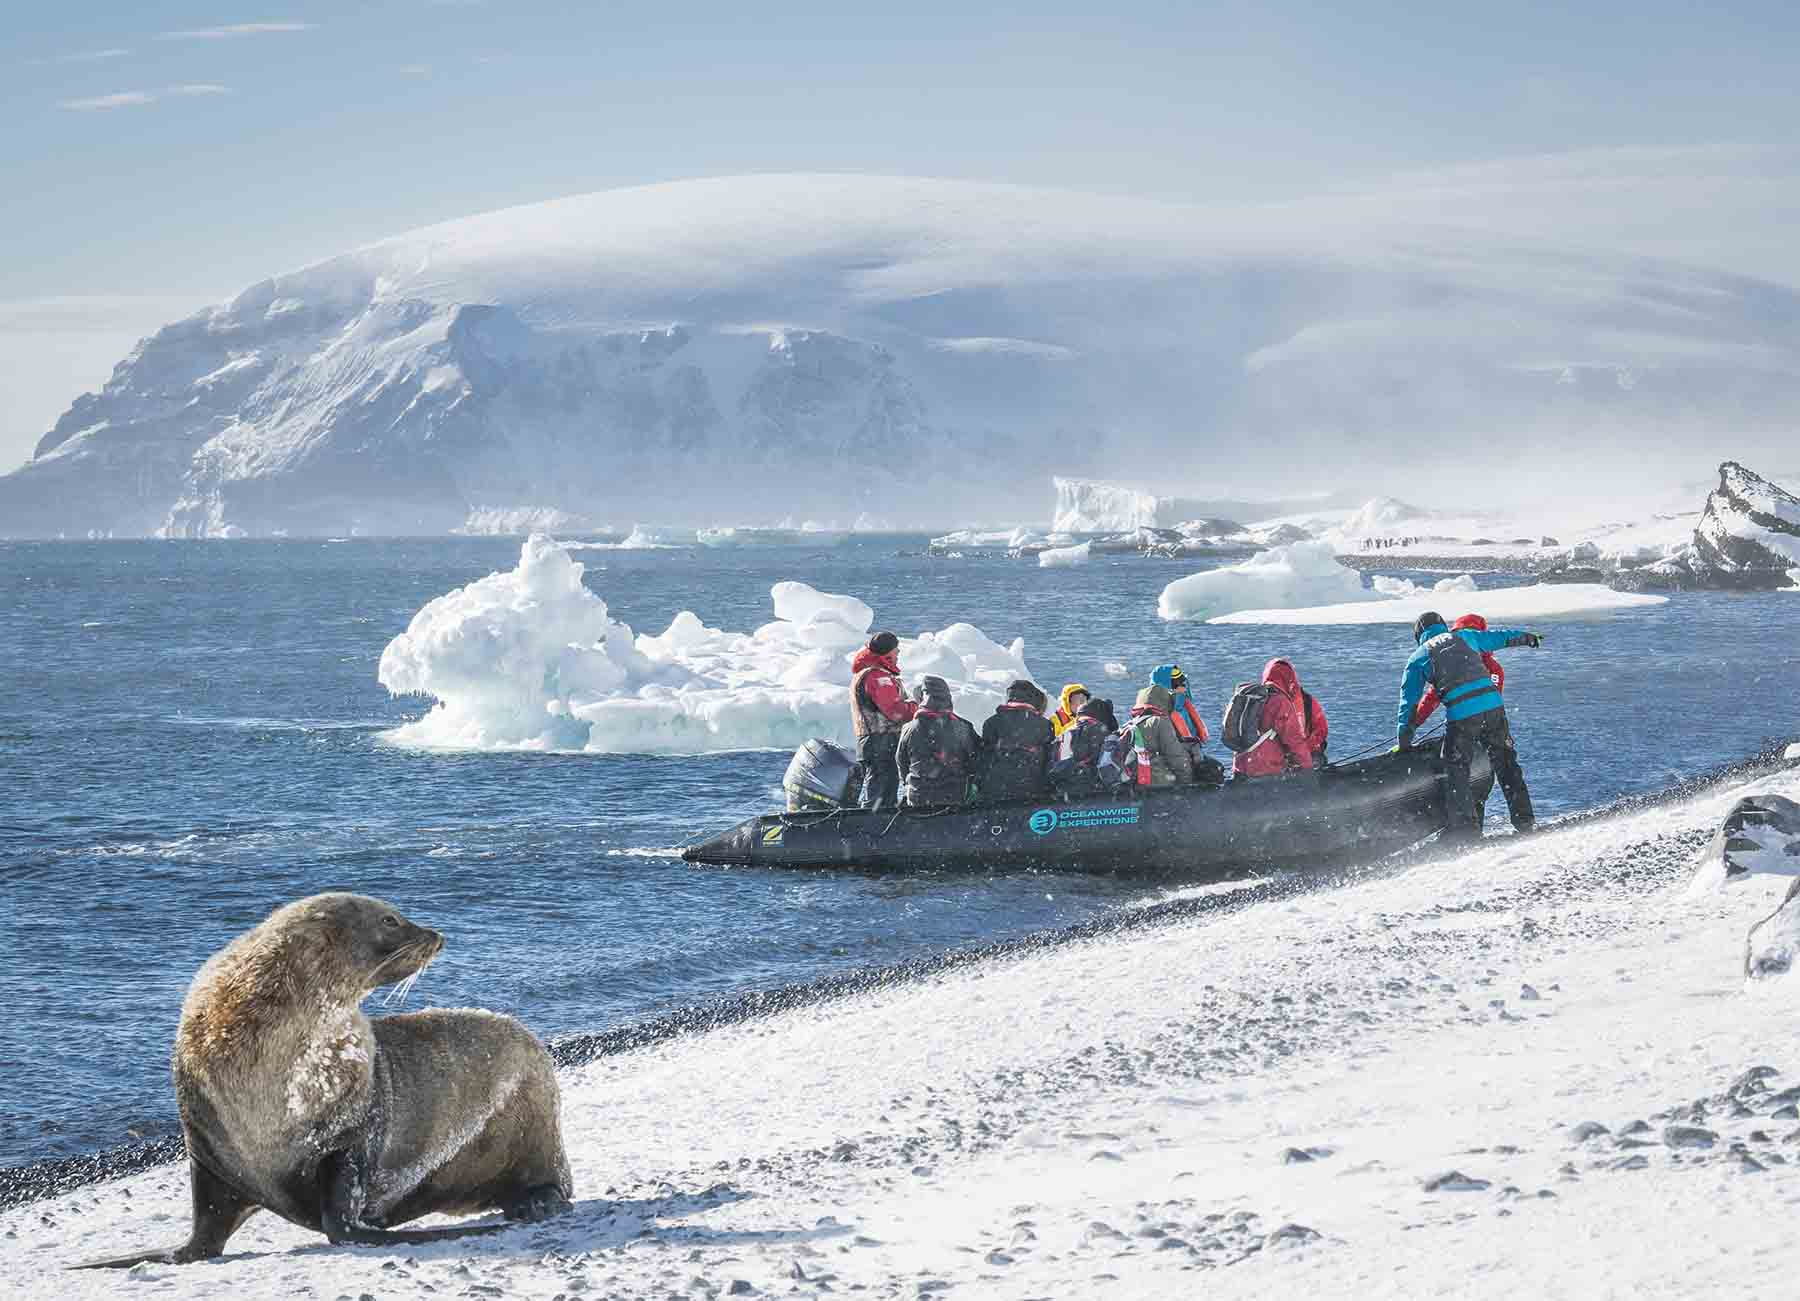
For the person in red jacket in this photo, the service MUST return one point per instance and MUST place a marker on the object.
(879, 708)
(1429, 702)
(1496, 671)
(1294, 729)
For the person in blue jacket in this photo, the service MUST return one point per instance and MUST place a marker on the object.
(1451, 662)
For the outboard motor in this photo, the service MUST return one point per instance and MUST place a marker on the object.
(821, 776)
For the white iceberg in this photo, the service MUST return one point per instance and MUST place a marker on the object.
(530, 659)
(1500, 605)
(1063, 557)
(1301, 573)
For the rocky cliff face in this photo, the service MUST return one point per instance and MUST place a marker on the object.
(1748, 539)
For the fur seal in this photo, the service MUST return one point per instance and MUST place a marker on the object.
(294, 1101)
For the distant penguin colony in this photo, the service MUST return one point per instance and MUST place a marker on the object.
(293, 1101)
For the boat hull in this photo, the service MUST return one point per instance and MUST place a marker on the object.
(1342, 814)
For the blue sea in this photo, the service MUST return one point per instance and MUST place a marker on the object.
(192, 734)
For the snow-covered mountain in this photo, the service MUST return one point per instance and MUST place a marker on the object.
(745, 349)
(1748, 537)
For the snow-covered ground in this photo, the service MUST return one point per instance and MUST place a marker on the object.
(1528, 1070)
(530, 659)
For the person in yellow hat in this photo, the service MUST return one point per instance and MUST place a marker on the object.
(1074, 696)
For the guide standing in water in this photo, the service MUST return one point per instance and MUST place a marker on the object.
(879, 708)
(1451, 663)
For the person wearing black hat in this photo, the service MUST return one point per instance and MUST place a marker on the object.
(1017, 744)
(937, 751)
(879, 708)
(1076, 769)
(1450, 661)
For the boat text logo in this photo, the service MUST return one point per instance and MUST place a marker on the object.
(1044, 821)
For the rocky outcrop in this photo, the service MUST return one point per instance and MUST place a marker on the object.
(1748, 539)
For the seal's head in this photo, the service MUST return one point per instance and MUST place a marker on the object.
(371, 944)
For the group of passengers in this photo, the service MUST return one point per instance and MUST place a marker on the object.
(916, 751)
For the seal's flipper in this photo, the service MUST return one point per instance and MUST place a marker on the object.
(341, 1211)
(219, 1211)
(538, 1204)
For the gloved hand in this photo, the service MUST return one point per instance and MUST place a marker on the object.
(1534, 640)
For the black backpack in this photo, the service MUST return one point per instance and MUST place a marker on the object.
(1242, 728)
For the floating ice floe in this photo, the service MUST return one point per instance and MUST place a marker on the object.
(1301, 573)
(1063, 557)
(530, 659)
(1116, 669)
(1537, 603)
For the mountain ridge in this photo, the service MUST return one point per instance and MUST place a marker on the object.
(751, 348)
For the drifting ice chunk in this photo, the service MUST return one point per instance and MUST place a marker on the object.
(531, 660)
(1302, 573)
(1063, 557)
(1116, 669)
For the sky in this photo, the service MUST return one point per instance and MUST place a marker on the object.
(160, 156)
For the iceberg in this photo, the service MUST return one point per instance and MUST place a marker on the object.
(1300, 573)
(1063, 557)
(1499, 605)
(530, 659)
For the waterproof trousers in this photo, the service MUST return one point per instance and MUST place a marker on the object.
(881, 772)
(1490, 731)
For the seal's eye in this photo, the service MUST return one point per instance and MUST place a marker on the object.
(391, 922)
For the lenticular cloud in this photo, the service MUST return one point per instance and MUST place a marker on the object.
(530, 659)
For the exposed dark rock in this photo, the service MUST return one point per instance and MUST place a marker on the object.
(1748, 539)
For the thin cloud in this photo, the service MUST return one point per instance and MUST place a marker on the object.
(84, 56)
(231, 30)
(120, 99)
(138, 98)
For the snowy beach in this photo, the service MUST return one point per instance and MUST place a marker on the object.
(1387, 1087)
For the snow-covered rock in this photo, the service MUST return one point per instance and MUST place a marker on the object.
(1747, 538)
(1759, 837)
(530, 659)
(833, 344)
(1300, 574)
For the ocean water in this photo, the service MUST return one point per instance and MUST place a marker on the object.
(192, 733)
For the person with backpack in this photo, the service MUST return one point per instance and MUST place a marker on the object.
(937, 750)
(1428, 705)
(879, 708)
(1185, 719)
(1273, 725)
(1495, 669)
(1075, 772)
(1154, 755)
(1451, 663)
(1017, 742)
(1074, 696)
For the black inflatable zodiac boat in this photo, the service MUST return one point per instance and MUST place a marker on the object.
(1339, 815)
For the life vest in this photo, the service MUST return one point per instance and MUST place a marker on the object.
(1138, 770)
